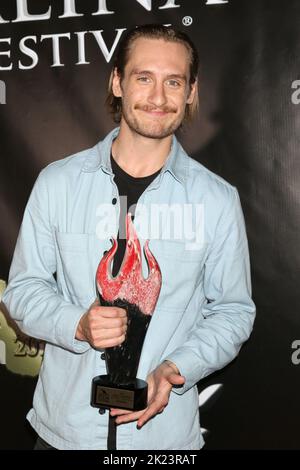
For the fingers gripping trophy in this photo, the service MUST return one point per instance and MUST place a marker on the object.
(120, 388)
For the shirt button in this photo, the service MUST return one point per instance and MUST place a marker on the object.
(102, 356)
(114, 201)
(102, 411)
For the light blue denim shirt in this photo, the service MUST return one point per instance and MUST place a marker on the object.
(203, 315)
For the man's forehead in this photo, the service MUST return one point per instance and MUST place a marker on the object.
(146, 53)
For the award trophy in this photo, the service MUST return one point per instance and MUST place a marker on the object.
(120, 388)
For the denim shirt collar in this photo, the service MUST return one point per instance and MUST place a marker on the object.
(176, 163)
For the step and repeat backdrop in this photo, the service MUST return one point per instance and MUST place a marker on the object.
(55, 60)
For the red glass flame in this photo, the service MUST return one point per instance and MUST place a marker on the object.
(129, 284)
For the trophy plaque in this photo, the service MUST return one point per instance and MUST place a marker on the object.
(120, 388)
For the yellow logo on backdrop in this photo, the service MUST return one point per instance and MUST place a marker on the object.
(21, 354)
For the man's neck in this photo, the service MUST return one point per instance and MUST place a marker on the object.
(137, 155)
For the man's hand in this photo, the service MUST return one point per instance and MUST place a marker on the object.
(160, 383)
(102, 327)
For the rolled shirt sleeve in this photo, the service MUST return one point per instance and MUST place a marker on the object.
(226, 319)
(31, 296)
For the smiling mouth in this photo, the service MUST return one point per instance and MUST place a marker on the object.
(155, 112)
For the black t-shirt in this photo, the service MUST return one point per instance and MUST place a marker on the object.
(132, 188)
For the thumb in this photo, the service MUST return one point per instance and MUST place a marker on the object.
(176, 379)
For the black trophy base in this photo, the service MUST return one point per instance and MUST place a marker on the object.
(105, 394)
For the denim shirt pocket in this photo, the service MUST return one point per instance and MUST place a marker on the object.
(182, 270)
(180, 251)
(75, 277)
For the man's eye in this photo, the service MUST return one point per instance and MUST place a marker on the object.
(173, 83)
(144, 79)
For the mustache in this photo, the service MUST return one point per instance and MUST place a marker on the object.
(164, 109)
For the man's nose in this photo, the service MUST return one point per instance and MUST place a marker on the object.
(158, 95)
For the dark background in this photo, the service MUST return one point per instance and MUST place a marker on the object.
(247, 132)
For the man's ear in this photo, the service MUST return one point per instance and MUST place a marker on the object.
(116, 84)
(193, 92)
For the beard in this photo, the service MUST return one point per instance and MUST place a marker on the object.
(155, 128)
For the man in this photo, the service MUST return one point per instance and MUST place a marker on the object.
(204, 312)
